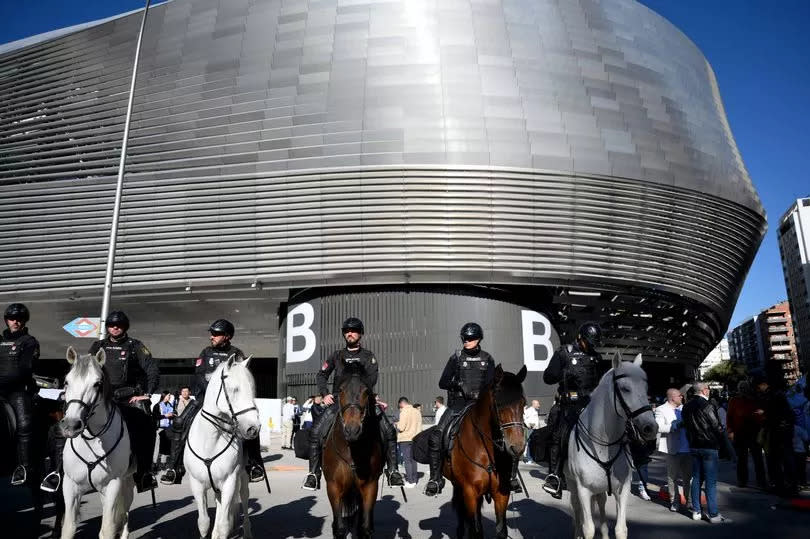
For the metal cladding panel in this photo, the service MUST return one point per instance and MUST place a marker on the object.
(412, 334)
(312, 143)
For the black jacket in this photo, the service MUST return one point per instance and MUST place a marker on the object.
(703, 427)
(338, 361)
(467, 374)
(19, 357)
(575, 371)
(129, 363)
(207, 362)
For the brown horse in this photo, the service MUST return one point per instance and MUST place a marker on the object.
(353, 457)
(490, 437)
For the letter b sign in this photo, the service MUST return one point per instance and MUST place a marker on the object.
(299, 322)
(537, 346)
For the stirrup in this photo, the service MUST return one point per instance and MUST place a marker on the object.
(256, 473)
(47, 483)
(308, 485)
(437, 483)
(395, 479)
(169, 477)
(17, 481)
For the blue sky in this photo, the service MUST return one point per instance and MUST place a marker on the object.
(760, 52)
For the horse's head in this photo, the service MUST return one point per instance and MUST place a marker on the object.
(509, 402)
(86, 387)
(354, 399)
(630, 397)
(232, 390)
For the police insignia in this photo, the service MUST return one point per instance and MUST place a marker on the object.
(464, 364)
(324, 366)
(123, 352)
(573, 362)
(373, 361)
(145, 350)
(198, 362)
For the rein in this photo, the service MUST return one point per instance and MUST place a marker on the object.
(226, 425)
(622, 441)
(364, 413)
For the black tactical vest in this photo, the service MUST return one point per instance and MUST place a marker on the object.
(14, 370)
(120, 362)
(582, 372)
(472, 372)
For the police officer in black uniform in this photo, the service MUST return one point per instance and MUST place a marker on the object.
(222, 331)
(468, 373)
(134, 376)
(577, 368)
(352, 333)
(19, 356)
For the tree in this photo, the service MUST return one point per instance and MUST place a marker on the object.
(728, 373)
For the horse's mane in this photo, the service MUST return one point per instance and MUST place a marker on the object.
(508, 390)
(85, 365)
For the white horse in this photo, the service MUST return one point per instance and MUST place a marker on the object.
(598, 461)
(213, 456)
(97, 454)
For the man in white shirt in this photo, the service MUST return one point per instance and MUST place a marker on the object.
(531, 420)
(679, 464)
(287, 415)
(438, 408)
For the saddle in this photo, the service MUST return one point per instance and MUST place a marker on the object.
(450, 433)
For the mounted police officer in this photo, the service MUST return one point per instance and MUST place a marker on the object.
(467, 374)
(134, 376)
(577, 368)
(353, 353)
(222, 331)
(19, 355)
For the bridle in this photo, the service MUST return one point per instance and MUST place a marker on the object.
(87, 411)
(622, 441)
(363, 417)
(227, 425)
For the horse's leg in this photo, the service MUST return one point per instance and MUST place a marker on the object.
(600, 500)
(225, 501)
(622, 495)
(198, 490)
(458, 507)
(584, 502)
(368, 498)
(472, 511)
(244, 494)
(339, 529)
(127, 495)
(501, 502)
(111, 524)
(72, 496)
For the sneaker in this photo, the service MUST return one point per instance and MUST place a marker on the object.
(696, 515)
(720, 519)
(395, 479)
(311, 482)
(255, 473)
(673, 507)
(51, 482)
(642, 493)
(408, 484)
(20, 475)
(169, 477)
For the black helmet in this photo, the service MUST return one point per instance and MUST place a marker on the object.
(117, 318)
(471, 332)
(222, 326)
(17, 311)
(354, 324)
(591, 333)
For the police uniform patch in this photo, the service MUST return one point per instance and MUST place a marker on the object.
(123, 352)
(13, 346)
(325, 365)
(211, 362)
(464, 364)
(198, 362)
(145, 350)
(573, 362)
(373, 361)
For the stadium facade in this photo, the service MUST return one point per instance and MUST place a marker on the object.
(528, 164)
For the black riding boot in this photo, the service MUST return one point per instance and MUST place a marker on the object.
(394, 477)
(254, 466)
(56, 444)
(142, 442)
(553, 484)
(313, 480)
(514, 482)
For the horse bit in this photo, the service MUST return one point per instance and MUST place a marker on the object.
(227, 425)
(87, 411)
(629, 415)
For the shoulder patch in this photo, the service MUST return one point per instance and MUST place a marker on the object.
(198, 362)
(145, 350)
(325, 365)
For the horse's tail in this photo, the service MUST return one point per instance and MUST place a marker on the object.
(351, 504)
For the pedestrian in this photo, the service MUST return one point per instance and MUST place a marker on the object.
(705, 435)
(306, 413)
(679, 465)
(183, 399)
(296, 426)
(438, 409)
(164, 412)
(777, 435)
(287, 416)
(531, 420)
(744, 421)
(408, 426)
(19, 360)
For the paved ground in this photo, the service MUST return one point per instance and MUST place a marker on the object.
(292, 512)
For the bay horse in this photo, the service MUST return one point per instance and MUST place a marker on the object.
(599, 463)
(97, 454)
(489, 438)
(214, 458)
(353, 456)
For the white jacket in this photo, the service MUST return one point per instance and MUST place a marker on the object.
(670, 440)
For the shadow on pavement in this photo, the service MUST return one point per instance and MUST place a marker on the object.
(289, 520)
(144, 516)
(272, 457)
(395, 525)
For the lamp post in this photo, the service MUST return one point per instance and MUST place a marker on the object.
(105, 304)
